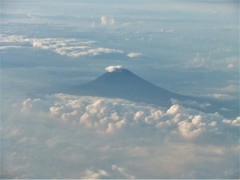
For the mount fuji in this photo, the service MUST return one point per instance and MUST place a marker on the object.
(118, 82)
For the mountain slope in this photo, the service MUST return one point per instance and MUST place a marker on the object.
(121, 83)
(118, 82)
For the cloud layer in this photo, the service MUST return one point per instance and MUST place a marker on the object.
(110, 115)
(64, 46)
(71, 47)
(91, 137)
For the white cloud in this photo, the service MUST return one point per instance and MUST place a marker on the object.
(122, 171)
(192, 103)
(63, 46)
(126, 24)
(99, 174)
(232, 62)
(9, 47)
(95, 52)
(107, 21)
(65, 136)
(134, 54)
(220, 96)
(230, 66)
(111, 115)
(12, 38)
(198, 61)
(113, 68)
(230, 89)
(93, 25)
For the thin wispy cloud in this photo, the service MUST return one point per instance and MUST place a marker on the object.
(134, 55)
(63, 46)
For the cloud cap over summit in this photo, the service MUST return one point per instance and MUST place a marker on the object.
(113, 68)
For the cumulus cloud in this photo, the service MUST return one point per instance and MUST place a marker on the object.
(192, 103)
(63, 46)
(231, 62)
(65, 136)
(111, 115)
(90, 174)
(113, 171)
(107, 21)
(134, 54)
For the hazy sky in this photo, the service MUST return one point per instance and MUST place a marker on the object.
(188, 47)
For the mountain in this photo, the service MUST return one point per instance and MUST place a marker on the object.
(118, 82)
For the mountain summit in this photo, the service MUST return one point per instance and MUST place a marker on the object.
(119, 82)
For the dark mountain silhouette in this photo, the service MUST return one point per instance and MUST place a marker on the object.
(121, 83)
(118, 82)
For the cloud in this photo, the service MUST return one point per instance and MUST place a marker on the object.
(192, 103)
(220, 96)
(65, 136)
(107, 21)
(9, 47)
(111, 115)
(114, 171)
(122, 171)
(162, 30)
(198, 61)
(13, 38)
(99, 174)
(134, 54)
(113, 68)
(230, 89)
(126, 24)
(95, 52)
(63, 46)
(219, 58)
(93, 25)
(231, 62)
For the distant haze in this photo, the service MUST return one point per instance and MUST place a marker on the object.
(106, 89)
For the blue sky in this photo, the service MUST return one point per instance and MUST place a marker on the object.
(188, 47)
